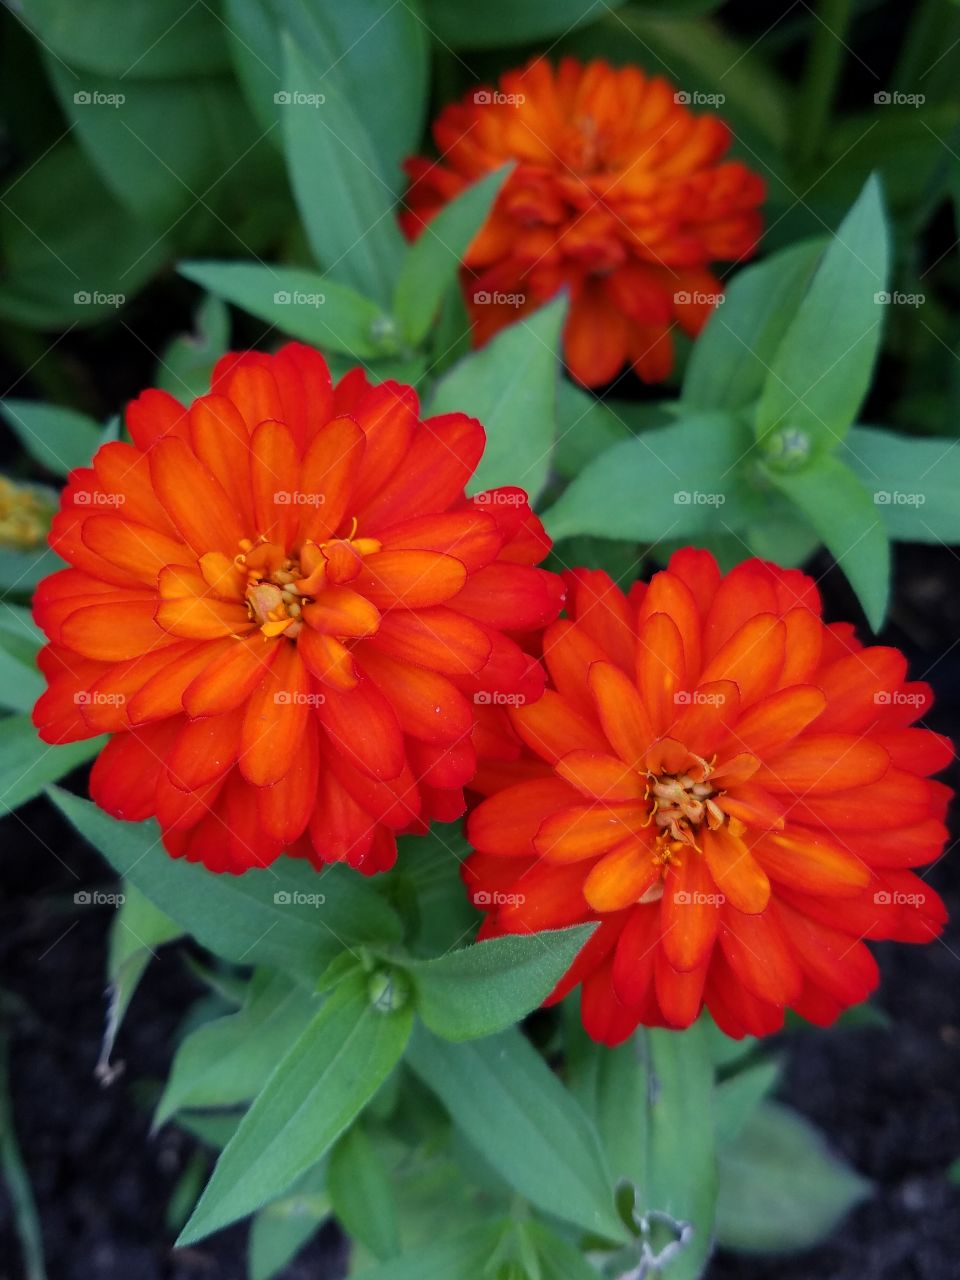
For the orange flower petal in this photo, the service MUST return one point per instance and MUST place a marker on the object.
(506, 824)
(410, 579)
(601, 776)
(622, 876)
(193, 499)
(624, 718)
(735, 871)
(808, 861)
(689, 912)
(438, 638)
(824, 763)
(586, 830)
(275, 720)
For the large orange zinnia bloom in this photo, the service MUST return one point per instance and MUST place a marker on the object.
(282, 606)
(728, 785)
(620, 193)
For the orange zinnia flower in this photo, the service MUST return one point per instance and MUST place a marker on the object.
(282, 606)
(728, 785)
(620, 193)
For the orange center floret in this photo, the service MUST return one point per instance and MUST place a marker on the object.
(280, 586)
(681, 802)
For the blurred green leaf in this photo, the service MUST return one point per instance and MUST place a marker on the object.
(302, 303)
(780, 1188)
(731, 358)
(281, 1229)
(276, 917)
(58, 438)
(229, 1060)
(317, 1089)
(187, 362)
(486, 987)
(821, 369)
(345, 205)
(361, 1193)
(738, 1096)
(113, 38)
(462, 1257)
(510, 385)
(21, 683)
(20, 571)
(844, 514)
(613, 1087)
(69, 262)
(672, 482)
(503, 22)
(27, 765)
(914, 483)
(510, 1105)
(432, 263)
(586, 426)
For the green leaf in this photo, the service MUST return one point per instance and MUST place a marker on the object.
(302, 303)
(586, 426)
(672, 482)
(187, 362)
(361, 1194)
(462, 1257)
(317, 1089)
(780, 1188)
(20, 571)
(739, 1095)
(821, 369)
(70, 263)
(21, 683)
(502, 22)
(613, 1087)
(228, 1061)
(511, 386)
(284, 916)
(432, 264)
(843, 513)
(112, 38)
(558, 1259)
(281, 1229)
(683, 1173)
(518, 1115)
(730, 359)
(489, 986)
(346, 207)
(27, 765)
(58, 438)
(914, 482)
(138, 928)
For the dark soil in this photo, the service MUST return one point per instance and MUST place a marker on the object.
(889, 1099)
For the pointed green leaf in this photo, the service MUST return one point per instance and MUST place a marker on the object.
(432, 263)
(346, 207)
(510, 1105)
(361, 1193)
(27, 765)
(844, 514)
(489, 986)
(317, 1089)
(58, 438)
(914, 482)
(462, 1257)
(780, 1187)
(511, 386)
(822, 367)
(284, 916)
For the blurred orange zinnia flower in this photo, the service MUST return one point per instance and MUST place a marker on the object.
(619, 193)
(282, 606)
(728, 785)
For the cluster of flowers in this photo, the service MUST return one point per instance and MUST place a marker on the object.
(304, 637)
(730, 786)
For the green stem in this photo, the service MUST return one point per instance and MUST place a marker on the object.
(824, 61)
